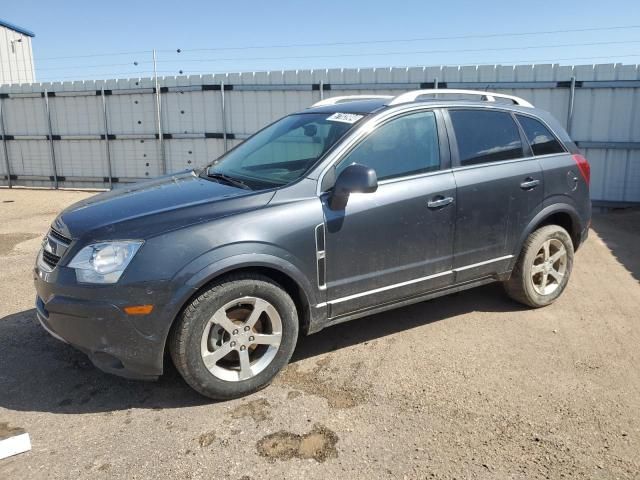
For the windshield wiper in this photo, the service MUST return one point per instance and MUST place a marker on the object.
(229, 180)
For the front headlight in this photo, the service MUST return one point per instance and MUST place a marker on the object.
(104, 262)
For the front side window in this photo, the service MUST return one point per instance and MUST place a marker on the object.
(282, 152)
(404, 146)
(485, 136)
(540, 138)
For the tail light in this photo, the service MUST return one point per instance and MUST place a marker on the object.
(583, 166)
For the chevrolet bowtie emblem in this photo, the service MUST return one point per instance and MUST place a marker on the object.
(49, 246)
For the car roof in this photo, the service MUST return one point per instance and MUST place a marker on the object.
(381, 104)
(438, 98)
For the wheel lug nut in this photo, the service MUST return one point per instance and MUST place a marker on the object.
(251, 339)
(235, 332)
(243, 348)
(233, 344)
(247, 328)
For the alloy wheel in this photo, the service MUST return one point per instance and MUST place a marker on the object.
(241, 339)
(549, 267)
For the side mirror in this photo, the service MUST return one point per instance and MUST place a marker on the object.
(355, 178)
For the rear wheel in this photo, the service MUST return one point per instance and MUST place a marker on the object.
(542, 271)
(235, 337)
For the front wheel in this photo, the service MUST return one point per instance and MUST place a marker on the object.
(542, 271)
(235, 337)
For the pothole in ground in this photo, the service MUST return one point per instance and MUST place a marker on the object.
(319, 444)
(315, 382)
(258, 410)
(7, 431)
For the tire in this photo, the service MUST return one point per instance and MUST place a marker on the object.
(207, 348)
(527, 282)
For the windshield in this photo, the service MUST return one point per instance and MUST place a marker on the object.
(282, 152)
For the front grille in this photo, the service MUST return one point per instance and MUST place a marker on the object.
(50, 259)
(53, 248)
(59, 236)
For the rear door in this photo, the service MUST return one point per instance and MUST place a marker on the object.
(499, 186)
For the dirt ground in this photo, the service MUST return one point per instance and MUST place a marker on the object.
(466, 386)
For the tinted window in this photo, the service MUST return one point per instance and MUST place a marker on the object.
(405, 146)
(540, 138)
(485, 136)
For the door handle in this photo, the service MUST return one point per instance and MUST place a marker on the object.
(529, 184)
(439, 202)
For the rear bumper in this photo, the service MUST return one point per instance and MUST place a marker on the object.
(92, 320)
(585, 234)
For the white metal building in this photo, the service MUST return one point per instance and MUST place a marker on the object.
(106, 133)
(16, 55)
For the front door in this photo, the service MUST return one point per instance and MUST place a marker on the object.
(398, 241)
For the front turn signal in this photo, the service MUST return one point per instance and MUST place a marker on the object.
(138, 309)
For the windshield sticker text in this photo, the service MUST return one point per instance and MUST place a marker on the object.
(345, 117)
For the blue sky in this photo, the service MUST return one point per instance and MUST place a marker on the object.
(406, 33)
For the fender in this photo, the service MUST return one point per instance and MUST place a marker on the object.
(245, 260)
(540, 217)
(236, 256)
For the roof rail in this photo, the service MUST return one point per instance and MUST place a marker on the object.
(349, 98)
(486, 96)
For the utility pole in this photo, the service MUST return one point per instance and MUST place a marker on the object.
(163, 160)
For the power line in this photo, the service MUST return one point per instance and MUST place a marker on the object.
(404, 52)
(98, 65)
(96, 55)
(103, 75)
(360, 54)
(360, 42)
(418, 39)
(76, 67)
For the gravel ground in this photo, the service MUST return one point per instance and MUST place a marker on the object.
(466, 386)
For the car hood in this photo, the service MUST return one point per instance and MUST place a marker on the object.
(150, 207)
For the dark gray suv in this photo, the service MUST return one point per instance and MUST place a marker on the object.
(354, 206)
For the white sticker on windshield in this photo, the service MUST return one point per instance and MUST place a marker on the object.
(345, 117)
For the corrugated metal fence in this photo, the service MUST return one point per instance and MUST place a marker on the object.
(108, 132)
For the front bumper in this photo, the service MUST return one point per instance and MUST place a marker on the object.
(91, 318)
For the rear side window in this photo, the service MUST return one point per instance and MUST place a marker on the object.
(485, 136)
(540, 138)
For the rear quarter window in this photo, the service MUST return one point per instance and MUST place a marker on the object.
(485, 136)
(542, 141)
